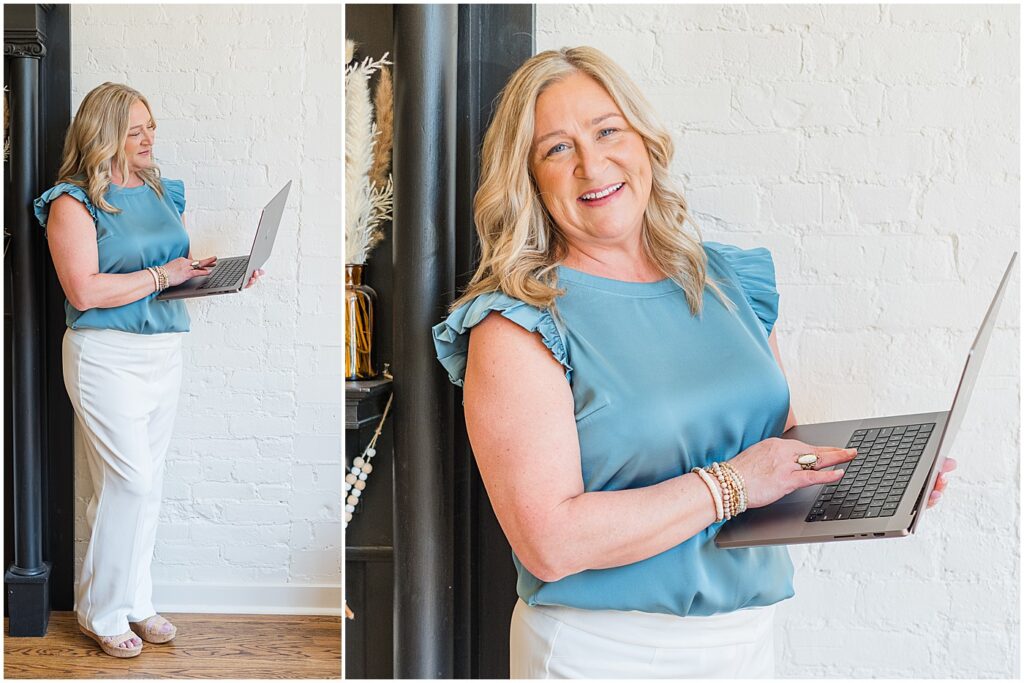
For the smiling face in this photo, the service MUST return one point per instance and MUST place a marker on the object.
(592, 169)
(138, 146)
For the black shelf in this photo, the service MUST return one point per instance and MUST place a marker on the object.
(369, 548)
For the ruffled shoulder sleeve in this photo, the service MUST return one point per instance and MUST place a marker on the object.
(175, 189)
(754, 271)
(451, 337)
(41, 206)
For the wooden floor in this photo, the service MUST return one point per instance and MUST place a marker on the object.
(207, 646)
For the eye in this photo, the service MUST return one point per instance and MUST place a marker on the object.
(605, 132)
(557, 148)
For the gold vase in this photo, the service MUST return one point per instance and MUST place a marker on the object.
(360, 300)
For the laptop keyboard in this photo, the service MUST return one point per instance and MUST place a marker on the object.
(877, 478)
(227, 272)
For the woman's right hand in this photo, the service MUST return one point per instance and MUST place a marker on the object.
(180, 269)
(770, 470)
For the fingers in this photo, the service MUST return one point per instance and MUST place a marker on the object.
(835, 456)
(816, 478)
(199, 272)
(948, 465)
(256, 275)
(209, 261)
(826, 451)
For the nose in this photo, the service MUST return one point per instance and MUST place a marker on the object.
(147, 136)
(590, 161)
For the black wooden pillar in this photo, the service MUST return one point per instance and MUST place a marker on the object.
(494, 40)
(425, 63)
(27, 578)
(38, 420)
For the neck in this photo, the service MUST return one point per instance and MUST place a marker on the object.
(133, 179)
(618, 262)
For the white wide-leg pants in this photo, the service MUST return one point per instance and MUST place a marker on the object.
(564, 642)
(124, 389)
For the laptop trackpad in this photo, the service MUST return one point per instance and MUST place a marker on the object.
(804, 496)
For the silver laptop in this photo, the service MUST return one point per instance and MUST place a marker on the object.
(885, 488)
(231, 274)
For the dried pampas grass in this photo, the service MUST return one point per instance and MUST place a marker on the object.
(384, 104)
(367, 203)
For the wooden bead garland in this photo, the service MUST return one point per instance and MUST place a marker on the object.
(359, 472)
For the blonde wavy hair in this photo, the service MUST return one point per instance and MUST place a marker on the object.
(520, 243)
(95, 141)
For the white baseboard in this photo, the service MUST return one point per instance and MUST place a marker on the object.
(205, 598)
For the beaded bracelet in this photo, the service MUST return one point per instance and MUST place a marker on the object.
(163, 277)
(715, 494)
(727, 472)
(722, 473)
(731, 489)
(740, 484)
(730, 497)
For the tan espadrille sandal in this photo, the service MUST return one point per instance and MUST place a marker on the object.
(152, 629)
(109, 644)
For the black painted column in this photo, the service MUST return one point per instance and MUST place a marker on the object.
(27, 579)
(494, 40)
(425, 62)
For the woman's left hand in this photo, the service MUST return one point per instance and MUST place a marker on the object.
(948, 465)
(256, 275)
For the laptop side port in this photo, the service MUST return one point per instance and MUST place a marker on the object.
(879, 533)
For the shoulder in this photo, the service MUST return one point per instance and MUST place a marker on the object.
(752, 271)
(175, 190)
(451, 336)
(741, 261)
(67, 198)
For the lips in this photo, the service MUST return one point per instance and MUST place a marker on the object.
(597, 194)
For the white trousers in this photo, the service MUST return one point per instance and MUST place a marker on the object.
(124, 389)
(564, 642)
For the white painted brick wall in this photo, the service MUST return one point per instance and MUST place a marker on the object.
(875, 150)
(246, 98)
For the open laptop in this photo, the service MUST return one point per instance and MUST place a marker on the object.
(231, 274)
(885, 488)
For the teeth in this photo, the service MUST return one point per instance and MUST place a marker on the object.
(602, 193)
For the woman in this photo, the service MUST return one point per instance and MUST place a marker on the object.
(607, 379)
(116, 233)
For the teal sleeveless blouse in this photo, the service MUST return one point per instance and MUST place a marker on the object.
(147, 232)
(658, 391)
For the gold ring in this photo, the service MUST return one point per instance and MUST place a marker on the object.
(807, 461)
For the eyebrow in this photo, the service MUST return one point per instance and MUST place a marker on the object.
(593, 122)
(140, 125)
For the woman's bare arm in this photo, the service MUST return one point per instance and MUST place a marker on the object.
(71, 234)
(519, 415)
(774, 343)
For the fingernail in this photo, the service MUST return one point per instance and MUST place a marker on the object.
(851, 450)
